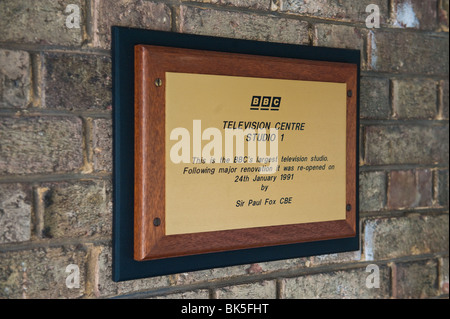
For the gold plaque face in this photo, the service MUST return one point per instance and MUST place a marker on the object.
(236, 151)
(297, 174)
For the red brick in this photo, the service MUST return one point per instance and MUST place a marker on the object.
(410, 189)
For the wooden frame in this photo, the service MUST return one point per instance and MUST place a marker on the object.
(152, 63)
(343, 236)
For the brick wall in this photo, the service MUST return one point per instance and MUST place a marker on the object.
(56, 136)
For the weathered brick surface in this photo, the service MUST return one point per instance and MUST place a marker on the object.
(56, 150)
(443, 187)
(102, 143)
(418, 279)
(258, 290)
(242, 25)
(46, 144)
(41, 273)
(374, 98)
(330, 9)
(251, 4)
(408, 52)
(137, 14)
(417, 14)
(443, 275)
(443, 15)
(103, 284)
(443, 98)
(406, 144)
(15, 213)
(215, 274)
(340, 284)
(193, 294)
(15, 74)
(340, 36)
(410, 189)
(40, 22)
(385, 238)
(372, 191)
(76, 209)
(415, 98)
(77, 82)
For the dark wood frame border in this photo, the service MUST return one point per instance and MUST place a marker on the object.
(152, 63)
(125, 267)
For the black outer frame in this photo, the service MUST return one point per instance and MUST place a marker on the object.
(123, 265)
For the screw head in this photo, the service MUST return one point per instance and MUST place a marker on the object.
(156, 221)
(158, 82)
(348, 207)
(349, 93)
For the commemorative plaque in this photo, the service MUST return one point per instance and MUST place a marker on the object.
(238, 156)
